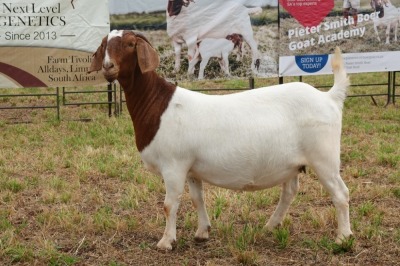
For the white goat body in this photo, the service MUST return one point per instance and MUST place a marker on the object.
(249, 141)
(208, 48)
(245, 141)
(210, 19)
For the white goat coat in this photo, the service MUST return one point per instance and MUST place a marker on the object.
(247, 141)
(215, 48)
(389, 20)
(208, 48)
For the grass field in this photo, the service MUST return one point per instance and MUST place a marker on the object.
(75, 193)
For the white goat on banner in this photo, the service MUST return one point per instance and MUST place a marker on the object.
(387, 15)
(192, 21)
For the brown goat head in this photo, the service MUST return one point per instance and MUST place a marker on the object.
(120, 52)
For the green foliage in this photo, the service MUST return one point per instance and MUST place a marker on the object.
(19, 254)
(396, 192)
(366, 208)
(12, 185)
(246, 237)
(145, 21)
(346, 245)
(220, 203)
(103, 219)
(5, 223)
(281, 235)
(59, 259)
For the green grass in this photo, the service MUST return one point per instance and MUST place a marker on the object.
(74, 193)
(157, 20)
(282, 236)
(138, 21)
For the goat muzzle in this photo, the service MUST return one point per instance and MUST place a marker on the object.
(110, 71)
(107, 66)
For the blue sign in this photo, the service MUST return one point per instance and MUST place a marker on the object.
(311, 63)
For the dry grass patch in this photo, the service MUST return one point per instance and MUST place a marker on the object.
(75, 193)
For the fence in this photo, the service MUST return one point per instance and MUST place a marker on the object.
(60, 98)
(55, 106)
(395, 84)
(115, 98)
(111, 92)
(390, 84)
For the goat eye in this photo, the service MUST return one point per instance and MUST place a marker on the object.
(131, 45)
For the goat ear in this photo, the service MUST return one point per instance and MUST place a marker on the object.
(97, 61)
(147, 56)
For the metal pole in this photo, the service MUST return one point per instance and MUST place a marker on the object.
(58, 102)
(116, 111)
(394, 88)
(389, 84)
(120, 99)
(251, 83)
(63, 89)
(109, 93)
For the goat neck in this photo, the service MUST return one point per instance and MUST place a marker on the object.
(147, 97)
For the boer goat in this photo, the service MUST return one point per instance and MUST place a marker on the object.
(243, 141)
(219, 48)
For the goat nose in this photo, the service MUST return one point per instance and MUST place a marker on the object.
(108, 65)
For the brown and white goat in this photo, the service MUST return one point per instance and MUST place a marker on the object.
(243, 141)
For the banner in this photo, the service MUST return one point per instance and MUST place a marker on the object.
(50, 43)
(365, 30)
(209, 39)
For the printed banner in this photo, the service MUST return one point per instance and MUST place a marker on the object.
(365, 30)
(209, 39)
(50, 43)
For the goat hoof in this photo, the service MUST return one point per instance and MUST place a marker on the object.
(270, 226)
(164, 244)
(200, 239)
(202, 235)
(342, 239)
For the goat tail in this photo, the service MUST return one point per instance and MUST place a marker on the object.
(254, 10)
(341, 81)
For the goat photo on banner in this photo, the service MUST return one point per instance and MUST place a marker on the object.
(211, 39)
(365, 29)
